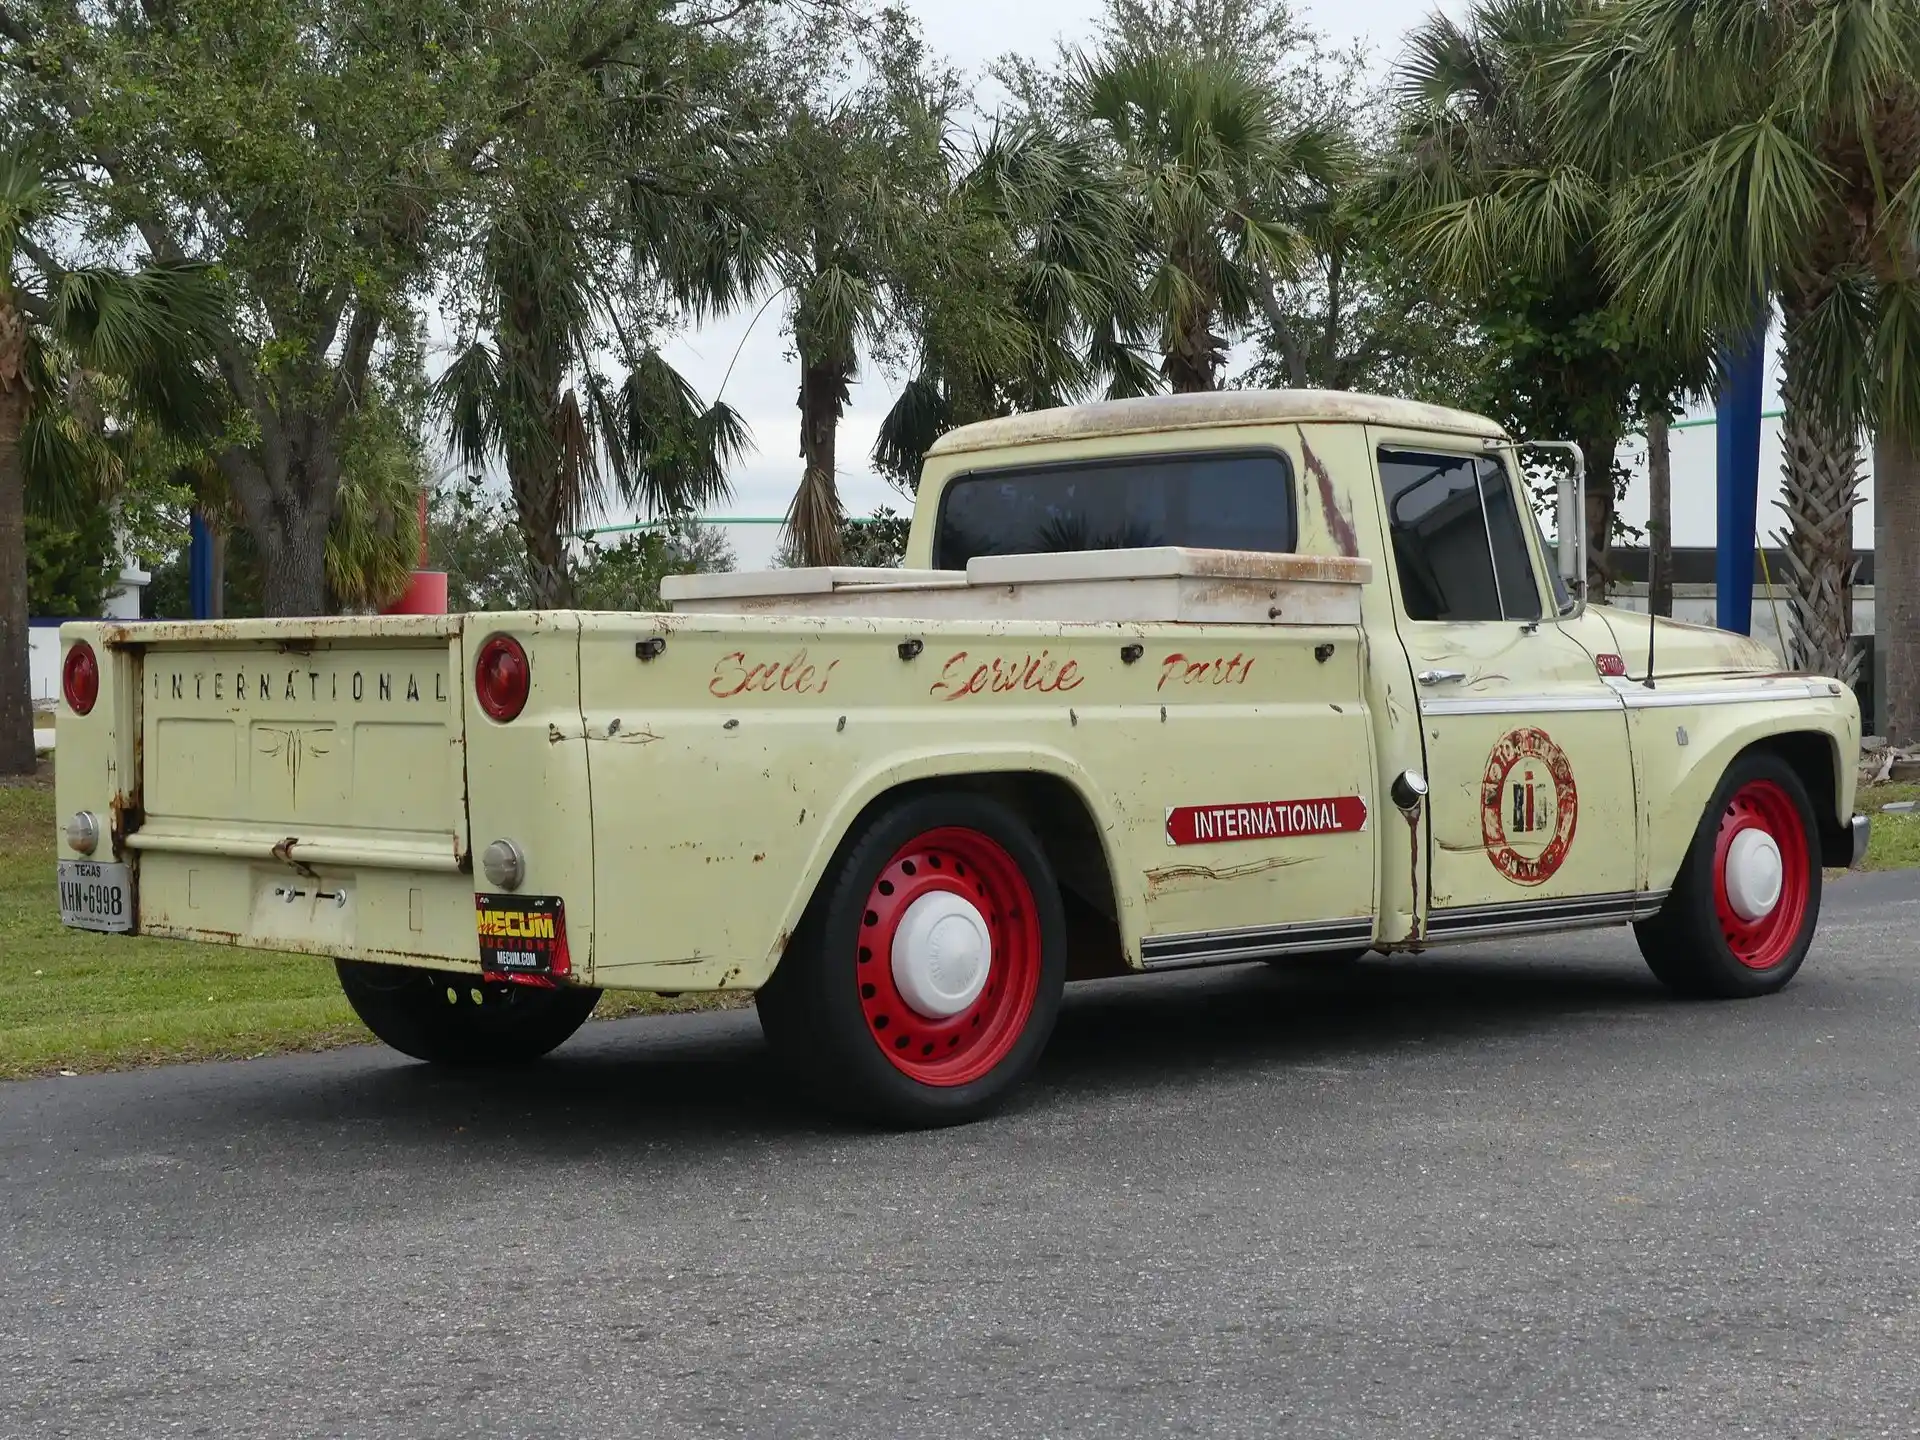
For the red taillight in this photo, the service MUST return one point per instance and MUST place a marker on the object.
(80, 678)
(501, 678)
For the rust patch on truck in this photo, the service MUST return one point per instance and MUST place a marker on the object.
(1339, 524)
(1173, 875)
(283, 852)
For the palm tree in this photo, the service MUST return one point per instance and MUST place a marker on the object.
(1030, 304)
(532, 396)
(849, 188)
(1488, 201)
(1770, 153)
(1221, 176)
(60, 331)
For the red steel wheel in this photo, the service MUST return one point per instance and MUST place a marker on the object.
(1740, 917)
(949, 956)
(1761, 861)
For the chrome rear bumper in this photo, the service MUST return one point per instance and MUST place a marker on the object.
(1859, 827)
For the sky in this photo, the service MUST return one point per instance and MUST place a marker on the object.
(760, 379)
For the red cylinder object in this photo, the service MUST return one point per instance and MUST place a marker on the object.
(426, 594)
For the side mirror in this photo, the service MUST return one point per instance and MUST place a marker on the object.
(1569, 518)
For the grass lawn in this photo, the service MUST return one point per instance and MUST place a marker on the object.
(1896, 838)
(70, 1000)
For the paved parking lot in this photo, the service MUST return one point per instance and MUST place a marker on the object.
(1498, 1191)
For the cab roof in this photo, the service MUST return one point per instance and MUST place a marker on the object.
(1210, 410)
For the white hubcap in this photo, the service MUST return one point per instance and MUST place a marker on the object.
(941, 954)
(1753, 874)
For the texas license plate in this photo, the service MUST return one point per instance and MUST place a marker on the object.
(523, 937)
(96, 895)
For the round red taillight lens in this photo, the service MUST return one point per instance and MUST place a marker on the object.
(501, 678)
(80, 678)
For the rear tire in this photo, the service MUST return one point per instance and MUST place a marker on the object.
(1717, 936)
(925, 979)
(448, 1018)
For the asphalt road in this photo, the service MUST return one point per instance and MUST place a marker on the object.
(1500, 1191)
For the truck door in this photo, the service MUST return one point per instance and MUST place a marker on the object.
(1531, 803)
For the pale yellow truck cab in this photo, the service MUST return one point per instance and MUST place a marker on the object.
(1161, 683)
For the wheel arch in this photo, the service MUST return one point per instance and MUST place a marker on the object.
(1814, 754)
(1815, 757)
(1048, 790)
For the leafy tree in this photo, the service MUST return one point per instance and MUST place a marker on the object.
(471, 535)
(1360, 314)
(627, 574)
(71, 569)
(65, 334)
(325, 153)
(1486, 200)
(1773, 152)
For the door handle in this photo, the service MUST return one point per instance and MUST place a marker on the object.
(1440, 677)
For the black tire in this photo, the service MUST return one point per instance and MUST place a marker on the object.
(448, 1018)
(1693, 944)
(834, 1028)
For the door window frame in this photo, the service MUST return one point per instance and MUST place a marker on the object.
(1495, 453)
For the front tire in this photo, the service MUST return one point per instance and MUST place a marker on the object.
(925, 980)
(1741, 916)
(448, 1018)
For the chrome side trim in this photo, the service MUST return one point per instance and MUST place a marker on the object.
(1261, 942)
(1517, 704)
(1636, 696)
(1630, 693)
(1534, 916)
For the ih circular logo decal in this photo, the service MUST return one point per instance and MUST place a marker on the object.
(1528, 806)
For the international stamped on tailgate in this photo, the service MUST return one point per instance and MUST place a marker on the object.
(523, 937)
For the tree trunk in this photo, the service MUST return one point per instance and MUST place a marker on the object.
(1599, 448)
(536, 505)
(1822, 474)
(1194, 353)
(814, 519)
(286, 497)
(217, 563)
(16, 685)
(1659, 512)
(16, 690)
(1896, 585)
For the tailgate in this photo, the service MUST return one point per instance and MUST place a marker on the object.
(302, 784)
(325, 749)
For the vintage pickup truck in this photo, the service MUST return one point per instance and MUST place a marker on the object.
(1169, 682)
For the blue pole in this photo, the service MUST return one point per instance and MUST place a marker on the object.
(200, 568)
(1737, 440)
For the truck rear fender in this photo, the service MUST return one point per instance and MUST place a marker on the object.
(1048, 789)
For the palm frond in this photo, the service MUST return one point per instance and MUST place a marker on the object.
(467, 396)
(920, 416)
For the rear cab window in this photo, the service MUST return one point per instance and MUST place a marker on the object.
(1219, 500)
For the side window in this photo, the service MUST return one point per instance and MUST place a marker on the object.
(1458, 544)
